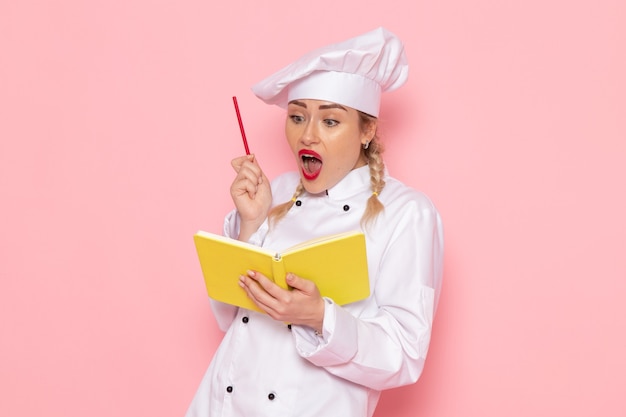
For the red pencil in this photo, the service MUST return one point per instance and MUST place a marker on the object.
(243, 133)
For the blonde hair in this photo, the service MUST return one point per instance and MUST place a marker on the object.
(373, 154)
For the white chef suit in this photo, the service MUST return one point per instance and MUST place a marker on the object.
(265, 368)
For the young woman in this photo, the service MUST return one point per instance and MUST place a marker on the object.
(331, 360)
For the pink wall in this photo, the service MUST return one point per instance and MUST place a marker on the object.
(116, 132)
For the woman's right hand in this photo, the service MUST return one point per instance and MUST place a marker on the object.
(251, 194)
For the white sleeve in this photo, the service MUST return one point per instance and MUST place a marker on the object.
(231, 229)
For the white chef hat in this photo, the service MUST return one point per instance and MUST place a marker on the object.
(353, 73)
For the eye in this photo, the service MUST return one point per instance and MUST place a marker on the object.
(330, 122)
(296, 118)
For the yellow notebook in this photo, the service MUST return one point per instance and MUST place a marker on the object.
(336, 263)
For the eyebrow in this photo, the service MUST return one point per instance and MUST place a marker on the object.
(322, 107)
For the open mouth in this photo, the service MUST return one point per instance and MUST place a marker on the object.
(311, 164)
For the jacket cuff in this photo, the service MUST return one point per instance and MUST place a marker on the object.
(232, 226)
(338, 342)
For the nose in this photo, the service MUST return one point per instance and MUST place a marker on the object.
(309, 134)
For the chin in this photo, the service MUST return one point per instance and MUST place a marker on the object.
(314, 187)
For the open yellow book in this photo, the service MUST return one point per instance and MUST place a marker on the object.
(336, 263)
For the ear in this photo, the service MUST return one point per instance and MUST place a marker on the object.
(370, 131)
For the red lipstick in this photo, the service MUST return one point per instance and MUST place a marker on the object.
(311, 164)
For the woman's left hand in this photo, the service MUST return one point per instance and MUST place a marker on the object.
(302, 305)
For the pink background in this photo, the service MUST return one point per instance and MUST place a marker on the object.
(116, 133)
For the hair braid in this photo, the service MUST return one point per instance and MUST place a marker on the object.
(377, 169)
(279, 211)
